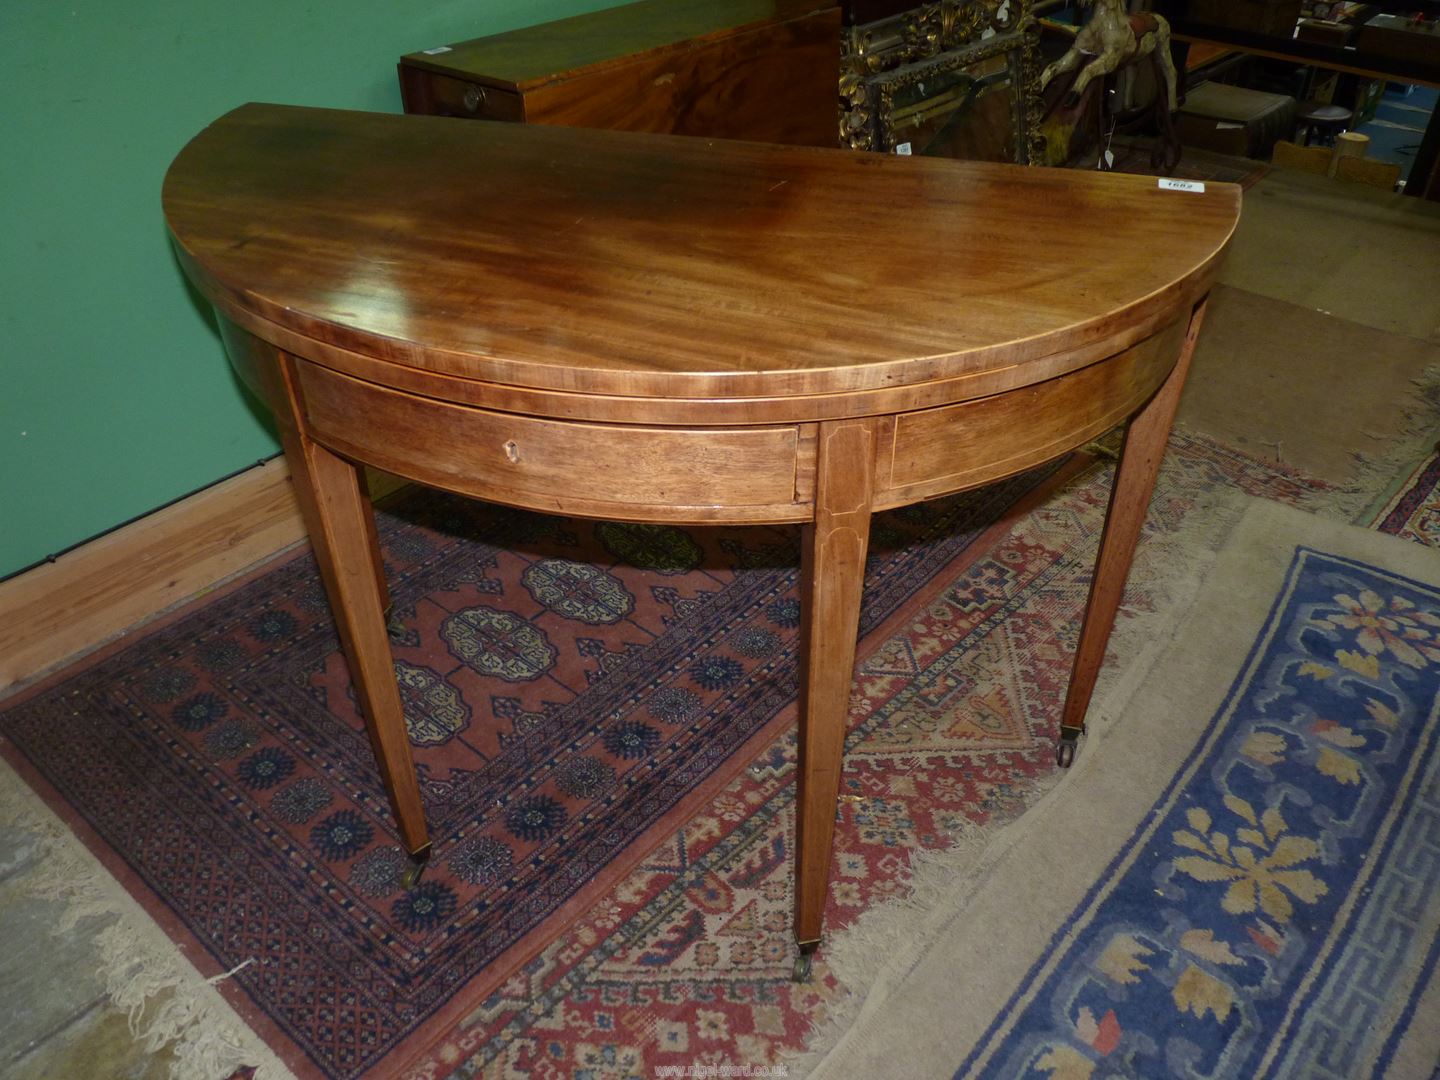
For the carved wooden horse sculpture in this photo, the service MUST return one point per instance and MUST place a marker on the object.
(1112, 39)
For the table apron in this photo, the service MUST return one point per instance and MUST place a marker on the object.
(556, 466)
(692, 474)
(934, 452)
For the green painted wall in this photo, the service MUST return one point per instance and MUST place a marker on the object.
(114, 393)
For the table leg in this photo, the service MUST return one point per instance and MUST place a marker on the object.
(832, 578)
(377, 558)
(340, 520)
(1140, 456)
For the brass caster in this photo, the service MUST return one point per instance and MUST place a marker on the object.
(804, 962)
(418, 861)
(1066, 749)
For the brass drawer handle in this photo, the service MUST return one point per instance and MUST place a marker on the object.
(474, 97)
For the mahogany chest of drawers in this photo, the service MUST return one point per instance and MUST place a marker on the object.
(765, 70)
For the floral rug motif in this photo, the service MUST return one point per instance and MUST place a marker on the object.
(687, 961)
(1414, 511)
(573, 692)
(219, 768)
(1275, 913)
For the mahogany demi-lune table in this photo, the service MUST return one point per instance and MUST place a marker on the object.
(659, 329)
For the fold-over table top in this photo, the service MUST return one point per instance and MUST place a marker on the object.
(625, 264)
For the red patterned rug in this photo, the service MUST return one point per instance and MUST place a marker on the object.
(686, 962)
(575, 693)
(1414, 510)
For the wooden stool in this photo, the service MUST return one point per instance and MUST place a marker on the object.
(1325, 120)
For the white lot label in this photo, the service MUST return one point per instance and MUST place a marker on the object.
(903, 149)
(1180, 185)
(437, 50)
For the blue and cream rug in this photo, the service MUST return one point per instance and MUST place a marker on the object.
(1241, 876)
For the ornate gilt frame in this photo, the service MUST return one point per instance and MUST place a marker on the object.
(884, 88)
(881, 58)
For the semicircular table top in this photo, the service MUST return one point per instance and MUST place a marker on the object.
(628, 264)
(682, 330)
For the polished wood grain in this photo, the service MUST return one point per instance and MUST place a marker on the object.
(602, 262)
(738, 410)
(832, 579)
(776, 83)
(726, 69)
(528, 461)
(933, 451)
(610, 38)
(662, 329)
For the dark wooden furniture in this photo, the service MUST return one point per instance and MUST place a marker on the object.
(1401, 39)
(1260, 16)
(1235, 120)
(1323, 121)
(726, 69)
(659, 329)
(1423, 69)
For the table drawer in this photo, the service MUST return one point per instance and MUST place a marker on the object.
(441, 95)
(597, 470)
(935, 451)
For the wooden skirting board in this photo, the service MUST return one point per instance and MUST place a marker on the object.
(59, 611)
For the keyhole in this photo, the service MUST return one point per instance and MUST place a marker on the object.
(512, 451)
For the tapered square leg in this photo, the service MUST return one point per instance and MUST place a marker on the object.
(832, 580)
(341, 523)
(1145, 439)
(339, 509)
(340, 520)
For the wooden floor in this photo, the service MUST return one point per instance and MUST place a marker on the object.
(62, 610)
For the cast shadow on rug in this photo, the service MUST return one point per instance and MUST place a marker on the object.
(573, 691)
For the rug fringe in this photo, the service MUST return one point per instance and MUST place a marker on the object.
(1414, 440)
(872, 955)
(880, 946)
(1036, 852)
(167, 1002)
